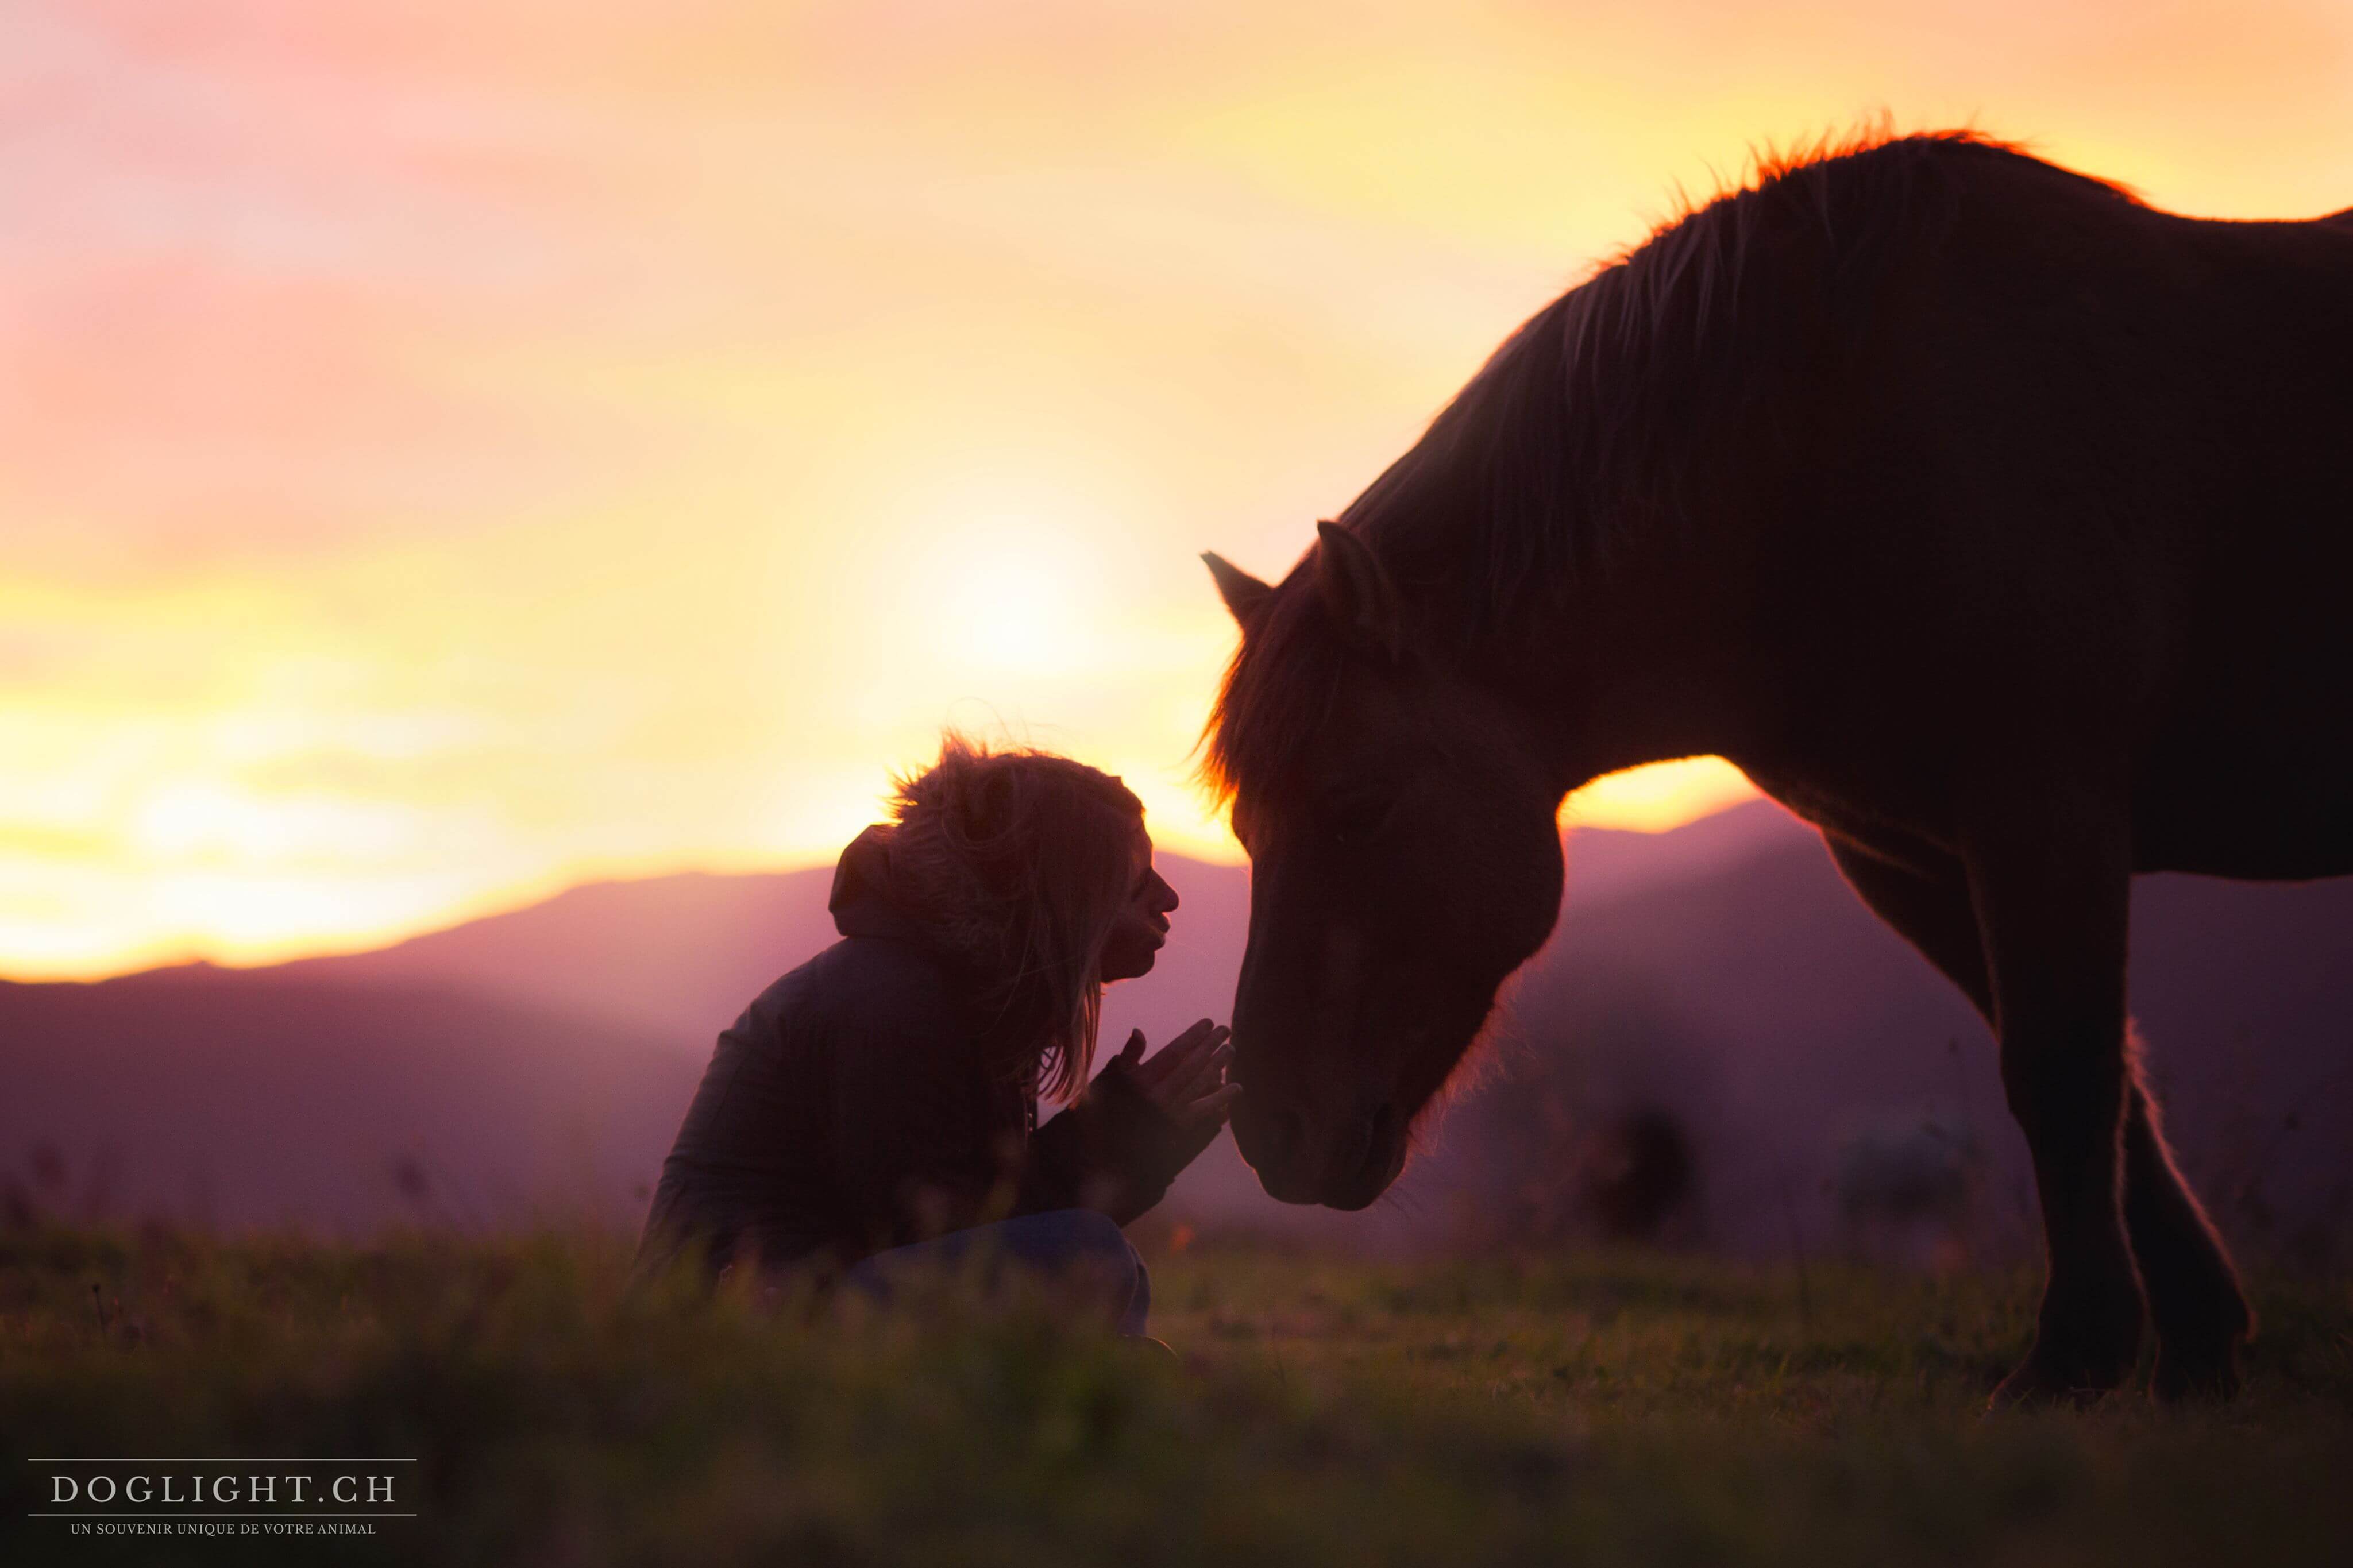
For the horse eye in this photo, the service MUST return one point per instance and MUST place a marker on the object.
(1356, 818)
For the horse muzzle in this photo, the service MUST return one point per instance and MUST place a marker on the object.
(1345, 1163)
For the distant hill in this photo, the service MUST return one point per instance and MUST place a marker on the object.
(1721, 975)
(247, 1096)
(679, 956)
(673, 956)
(550, 1050)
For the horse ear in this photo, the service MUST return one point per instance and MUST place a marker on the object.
(1357, 588)
(1244, 595)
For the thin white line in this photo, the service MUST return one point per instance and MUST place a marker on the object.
(220, 1516)
(369, 1461)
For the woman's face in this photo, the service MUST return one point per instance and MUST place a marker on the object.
(1143, 921)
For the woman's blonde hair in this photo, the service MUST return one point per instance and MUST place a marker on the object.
(1021, 861)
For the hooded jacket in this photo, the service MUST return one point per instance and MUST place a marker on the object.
(852, 1106)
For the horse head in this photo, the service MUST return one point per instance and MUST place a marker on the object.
(1404, 860)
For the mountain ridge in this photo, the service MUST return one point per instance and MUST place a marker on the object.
(1722, 974)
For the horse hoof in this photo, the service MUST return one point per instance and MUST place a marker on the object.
(2202, 1379)
(2044, 1382)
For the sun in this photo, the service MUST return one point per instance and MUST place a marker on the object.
(1011, 589)
(1015, 608)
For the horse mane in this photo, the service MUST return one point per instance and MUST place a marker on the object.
(1576, 439)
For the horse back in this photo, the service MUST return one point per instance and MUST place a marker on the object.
(2249, 768)
(2092, 481)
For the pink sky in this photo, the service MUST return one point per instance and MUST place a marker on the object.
(450, 451)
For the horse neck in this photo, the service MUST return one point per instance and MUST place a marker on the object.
(1606, 657)
(1625, 668)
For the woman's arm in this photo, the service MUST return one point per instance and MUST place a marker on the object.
(928, 1141)
(1141, 1122)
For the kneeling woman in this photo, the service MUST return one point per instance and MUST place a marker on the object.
(876, 1108)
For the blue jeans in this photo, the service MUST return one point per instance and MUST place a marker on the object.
(1074, 1243)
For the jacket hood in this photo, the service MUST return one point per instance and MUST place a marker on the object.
(866, 899)
(893, 882)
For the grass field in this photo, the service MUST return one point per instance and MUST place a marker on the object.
(1619, 1409)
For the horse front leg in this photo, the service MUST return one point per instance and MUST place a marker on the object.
(2050, 876)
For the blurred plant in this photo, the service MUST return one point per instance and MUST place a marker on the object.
(1911, 1190)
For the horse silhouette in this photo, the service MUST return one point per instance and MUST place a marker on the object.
(1993, 521)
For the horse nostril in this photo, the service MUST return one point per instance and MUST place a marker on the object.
(1356, 1151)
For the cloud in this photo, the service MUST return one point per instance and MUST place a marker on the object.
(464, 448)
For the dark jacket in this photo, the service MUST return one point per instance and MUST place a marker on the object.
(851, 1107)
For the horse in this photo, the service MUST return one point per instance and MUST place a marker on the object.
(1994, 522)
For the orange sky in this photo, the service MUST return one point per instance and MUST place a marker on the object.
(451, 450)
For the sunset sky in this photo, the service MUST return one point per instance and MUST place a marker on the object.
(449, 451)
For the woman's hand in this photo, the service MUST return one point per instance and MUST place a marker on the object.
(1188, 1079)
